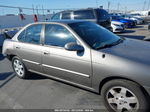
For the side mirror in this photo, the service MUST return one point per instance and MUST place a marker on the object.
(73, 47)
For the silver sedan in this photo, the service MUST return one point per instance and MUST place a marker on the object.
(86, 55)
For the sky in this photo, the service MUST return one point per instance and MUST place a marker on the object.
(68, 4)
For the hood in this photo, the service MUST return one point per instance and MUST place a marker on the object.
(122, 21)
(130, 49)
(127, 20)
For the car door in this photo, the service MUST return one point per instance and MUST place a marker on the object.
(28, 47)
(72, 66)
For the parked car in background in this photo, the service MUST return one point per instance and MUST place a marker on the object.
(117, 26)
(136, 15)
(142, 14)
(87, 55)
(99, 16)
(128, 23)
(7, 35)
(10, 34)
(130, 17)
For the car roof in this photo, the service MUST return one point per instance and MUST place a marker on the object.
(84, 9)
(61, 21)
(77, 10)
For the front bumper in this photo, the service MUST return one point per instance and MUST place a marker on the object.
(118, 28)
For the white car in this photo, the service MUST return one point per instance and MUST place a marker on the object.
(117, 26)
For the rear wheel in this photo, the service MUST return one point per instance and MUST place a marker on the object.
(19, 68)
(124, 96)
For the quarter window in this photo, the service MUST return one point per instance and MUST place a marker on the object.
(56, 35)
(31, 34)
(84, 14)
(66, 15)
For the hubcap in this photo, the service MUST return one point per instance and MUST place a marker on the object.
(122, 99)
(18, 67)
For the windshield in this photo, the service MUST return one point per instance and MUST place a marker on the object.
(94, 35)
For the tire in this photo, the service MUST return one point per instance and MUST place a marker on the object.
(117, 95)
(19, 68)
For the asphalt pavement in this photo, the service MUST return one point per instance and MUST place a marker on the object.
(39, 92)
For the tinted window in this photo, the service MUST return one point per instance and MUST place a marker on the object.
(31, 34)
(56, 16)
(66, 16)
(57, 35)
(116, 17)
(22, 36)
(93, 34)
(84, 14)
(102, 14)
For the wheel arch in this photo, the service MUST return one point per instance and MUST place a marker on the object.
(107, 79)
(10, 57)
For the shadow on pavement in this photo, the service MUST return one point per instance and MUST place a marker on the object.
(139, 26)
(139, 37)
(129, 31)
(34, 76)
(5, 78)
(126, 31)
(147, 38)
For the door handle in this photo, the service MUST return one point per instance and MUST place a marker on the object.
(46, 53)
(17, 47)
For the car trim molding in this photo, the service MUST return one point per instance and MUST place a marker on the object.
(31, 62)
(81, 74)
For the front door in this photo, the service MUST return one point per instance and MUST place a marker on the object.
(58, 62)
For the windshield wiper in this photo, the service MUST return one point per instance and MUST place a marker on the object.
(110, 45)
(118, 41)
(104, 46)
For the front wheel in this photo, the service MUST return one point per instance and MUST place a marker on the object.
(19, 68)
(124, 96)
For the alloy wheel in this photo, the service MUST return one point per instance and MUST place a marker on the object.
(122, 99)
(18, 67)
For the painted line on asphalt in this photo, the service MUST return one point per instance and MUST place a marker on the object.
(6, 81)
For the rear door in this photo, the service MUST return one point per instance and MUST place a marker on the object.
(28, 47)
(72, 66)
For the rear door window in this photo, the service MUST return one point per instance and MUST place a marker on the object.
(66, 15)
(31, 34)
(84, 14)
(102, 14)
(56, 16)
